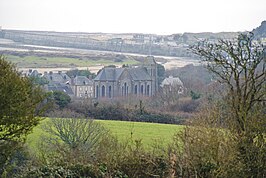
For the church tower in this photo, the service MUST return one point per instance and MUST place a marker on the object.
(151, 66)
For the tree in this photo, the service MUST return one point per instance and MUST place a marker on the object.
(37, 80)
(61, 99)
(77, 72)
(18, 109)
(74, 139)
(239, 65)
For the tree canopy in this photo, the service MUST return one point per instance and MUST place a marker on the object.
(61, 99)
(77, 72)
(18, 107)
(239, 65)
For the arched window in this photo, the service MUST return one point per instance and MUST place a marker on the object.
(103, 91)
(142, 89)
(110, 92)
(97, 91)
(125, 87)
(148, 90)
(136, 89)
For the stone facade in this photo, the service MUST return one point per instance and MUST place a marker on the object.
(122, 82)
(82, 87)
(172, 85)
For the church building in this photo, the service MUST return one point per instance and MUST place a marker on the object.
(128, 81)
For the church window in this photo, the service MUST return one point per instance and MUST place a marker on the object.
(103, 91)
(125, 88)
(110, 92)
(136, 89)
(97, 91)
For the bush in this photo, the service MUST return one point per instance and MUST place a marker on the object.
(77, 170)
(110, 111)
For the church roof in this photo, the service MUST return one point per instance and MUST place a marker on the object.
(139, 73)
(113, 74)
(109, 74)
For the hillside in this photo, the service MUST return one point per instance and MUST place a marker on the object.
(146, 44)
(260, 32)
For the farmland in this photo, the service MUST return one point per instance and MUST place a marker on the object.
(57, 62)
(148, 133)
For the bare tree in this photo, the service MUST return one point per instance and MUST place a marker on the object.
(75, 139)
(240, 65)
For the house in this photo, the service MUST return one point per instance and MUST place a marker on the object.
(58, 82)
(172, 84)
(59, 77)
(60, 87)
(123, 82)
(30, 73)
(82, 87)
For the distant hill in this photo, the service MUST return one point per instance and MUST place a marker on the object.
(146, 44)
(260, 32)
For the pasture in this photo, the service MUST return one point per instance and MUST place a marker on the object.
(148, 133)
(55, 62)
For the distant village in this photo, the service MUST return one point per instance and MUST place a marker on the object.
(110, 82)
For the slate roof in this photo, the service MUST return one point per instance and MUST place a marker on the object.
(34, 73)
(109, 74)
(82, 80)
(57, 77)
(61, 87)
(139, 73)
(172, 81)
(113, 74)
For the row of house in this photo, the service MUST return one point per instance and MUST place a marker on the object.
(110, 82)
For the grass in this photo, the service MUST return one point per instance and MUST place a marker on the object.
(148, 133)
(36, 61)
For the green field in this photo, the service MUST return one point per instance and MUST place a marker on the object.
(36, 61)
(148, 133)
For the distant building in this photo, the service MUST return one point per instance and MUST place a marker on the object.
(30, 73)
(60, 87)
(173, 84)
(109, 83)
(58, 82)
(82, 87)
(122, 82)
(56, 77)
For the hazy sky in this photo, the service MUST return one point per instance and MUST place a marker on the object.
(125, 16)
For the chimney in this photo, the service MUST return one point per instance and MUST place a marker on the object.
(72, 80)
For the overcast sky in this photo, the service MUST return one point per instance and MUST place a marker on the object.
(138, 16)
